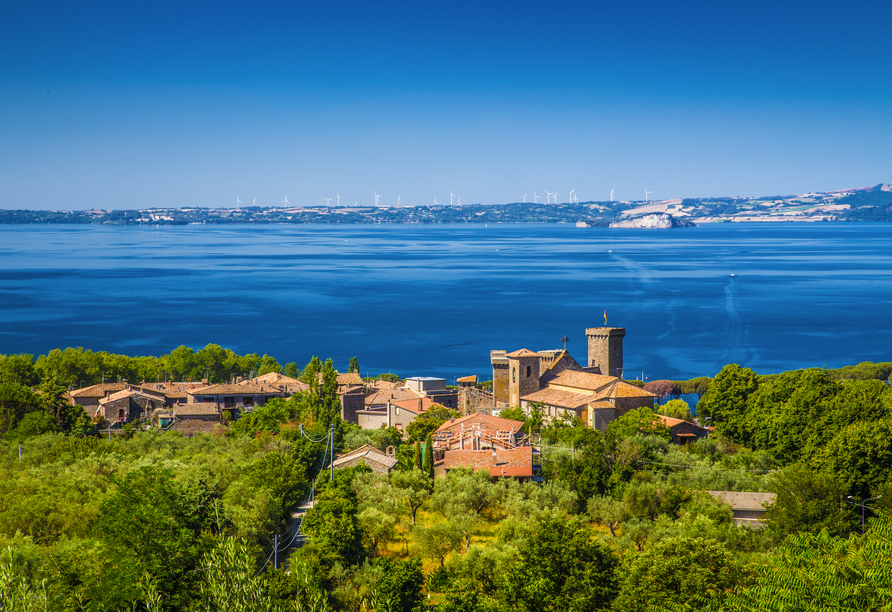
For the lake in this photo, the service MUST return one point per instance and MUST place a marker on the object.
(433, 300)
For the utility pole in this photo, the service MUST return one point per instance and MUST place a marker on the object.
(331, 465)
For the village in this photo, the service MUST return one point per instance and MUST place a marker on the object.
(550, 382)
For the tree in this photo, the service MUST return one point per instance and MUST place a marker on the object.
(678, 572)
(428, 462)
(292, 371)
(232, 583)
(329, 402)
(859, 457)
(413, 487)
(15, 402)
(149, 525)
(808, 502)
(417, 460)
(353, 365)
(19, 369)
(677, 409)
(609, 512)
(462, 495)
(815, 572)
(724, 403)
(399, 586)
(641, 421)
(426, 423)
(662, 388)
(268, 365)
(561, 567)
(438, 540)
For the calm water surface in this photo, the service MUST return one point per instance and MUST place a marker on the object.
(434, 300)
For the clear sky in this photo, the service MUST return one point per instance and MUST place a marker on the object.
(138, 104)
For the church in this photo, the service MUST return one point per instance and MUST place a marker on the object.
(595, 393)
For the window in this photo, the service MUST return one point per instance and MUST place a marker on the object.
(513, 374)
(248, 400)
(529, 371)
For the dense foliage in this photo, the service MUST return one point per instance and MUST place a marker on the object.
(622, 520)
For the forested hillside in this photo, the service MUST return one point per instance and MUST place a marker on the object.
(151, 520)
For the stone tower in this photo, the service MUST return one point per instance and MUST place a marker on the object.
(499, 376)
(523, 373)
(605, 350)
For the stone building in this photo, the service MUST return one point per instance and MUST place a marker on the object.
(478, 432)
(521, 463)
(380, 462)
(127, 405)
(594, 393)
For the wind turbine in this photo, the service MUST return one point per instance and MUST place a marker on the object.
(459, 200)
(328, 201)
(377, 197)
(611, 194)
(255, 202)
(536, 196)
(435, 202)
(525, 198)
(237, 202)
(548, 196)
(339, 199)
(573, 199)
(645, 195)
(398, 201)
(285, 201)
(450, 197)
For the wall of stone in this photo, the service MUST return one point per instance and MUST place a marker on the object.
(605, 349)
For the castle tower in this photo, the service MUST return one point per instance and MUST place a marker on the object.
(523, 374)
(499, 376)
(605, 350)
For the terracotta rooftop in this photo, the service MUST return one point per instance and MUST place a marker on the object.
(234, 389)
(492, 422)
(468, 379)
(672, 422)
(198, 408)
(99, 390)
(624, 389)
(561, 398)
(412, 404)
(585, 381)
(367, 452)
(116, 396)
(522, 353)
(500, 462)
(394, 395)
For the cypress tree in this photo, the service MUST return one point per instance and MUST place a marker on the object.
(417, 461)
(428, 466)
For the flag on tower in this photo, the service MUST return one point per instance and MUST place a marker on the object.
(605, 317)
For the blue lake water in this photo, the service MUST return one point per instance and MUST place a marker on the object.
(433, 300)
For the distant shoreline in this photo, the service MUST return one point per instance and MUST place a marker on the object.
(862, 204)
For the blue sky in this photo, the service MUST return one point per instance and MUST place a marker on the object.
(123, 105)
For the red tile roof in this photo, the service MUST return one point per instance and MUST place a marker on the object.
(522, 353)
(499, 462)
(487, 420)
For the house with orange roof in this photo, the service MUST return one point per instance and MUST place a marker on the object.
(478, 432)
(522, 463)
(683, 432)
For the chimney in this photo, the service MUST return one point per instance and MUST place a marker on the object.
(420, 404)
(495, 460)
